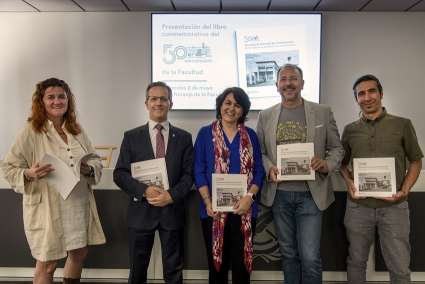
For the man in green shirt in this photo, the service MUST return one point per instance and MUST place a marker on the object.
(378, 134)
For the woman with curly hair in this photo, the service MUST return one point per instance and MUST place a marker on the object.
(55, 227)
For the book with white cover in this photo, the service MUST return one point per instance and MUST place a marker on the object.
(151, 172)
(374, 177)
(294, 161)
(227, 189)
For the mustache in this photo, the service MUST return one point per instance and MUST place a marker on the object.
(289, 87)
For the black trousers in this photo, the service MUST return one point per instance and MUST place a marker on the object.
(233, 251)
(140, 246)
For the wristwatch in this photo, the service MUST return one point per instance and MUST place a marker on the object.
(252, 195)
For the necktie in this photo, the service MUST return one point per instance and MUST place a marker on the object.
(160, 143)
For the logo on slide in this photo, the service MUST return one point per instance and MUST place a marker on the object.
(171, 53)
(251, 38)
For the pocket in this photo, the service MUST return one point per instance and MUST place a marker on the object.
(32, 198)
(391, 143)
(402, 205)
(32, 195)
(351, 215)
(352, 204)
(308, 206)
(32, 212)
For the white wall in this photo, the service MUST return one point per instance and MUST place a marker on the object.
(105, 59)
(389, 45)
(103, 56)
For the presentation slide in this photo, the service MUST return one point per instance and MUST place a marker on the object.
(200, 55)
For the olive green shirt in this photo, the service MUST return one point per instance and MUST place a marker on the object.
(386, 136)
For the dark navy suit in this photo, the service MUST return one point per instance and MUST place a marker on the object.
(143, 218)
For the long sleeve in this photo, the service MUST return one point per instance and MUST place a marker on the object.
(267, 163)
(346, 145)
(200, 160)
(18, 159)
(334, 149)
(122, 172)
(180, 190)
(258, 172)
(93, 161)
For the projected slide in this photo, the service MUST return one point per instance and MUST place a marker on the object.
(199, 55)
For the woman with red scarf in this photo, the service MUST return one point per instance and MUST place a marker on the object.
(227, 146)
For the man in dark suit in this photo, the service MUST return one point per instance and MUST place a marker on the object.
(151, 207)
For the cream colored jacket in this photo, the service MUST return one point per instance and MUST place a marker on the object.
(40, 204)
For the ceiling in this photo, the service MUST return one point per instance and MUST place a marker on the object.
(210, 5)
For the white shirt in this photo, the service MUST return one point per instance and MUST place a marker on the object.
(153, 131)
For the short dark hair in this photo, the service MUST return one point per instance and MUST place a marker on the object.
(240, 97)
(367, 77)
(289, 66)
(159, 84)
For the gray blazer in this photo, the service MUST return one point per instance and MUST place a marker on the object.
(321, 130)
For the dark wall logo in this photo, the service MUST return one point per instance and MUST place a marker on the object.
(266, 248)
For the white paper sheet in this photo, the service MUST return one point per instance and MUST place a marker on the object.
(63, 178)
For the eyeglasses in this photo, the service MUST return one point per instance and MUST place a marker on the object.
(155, 99)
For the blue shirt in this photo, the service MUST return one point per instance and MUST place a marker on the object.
(204, 162)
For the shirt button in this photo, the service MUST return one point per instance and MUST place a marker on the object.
(72, 165)
(68, 149)
(70, 157)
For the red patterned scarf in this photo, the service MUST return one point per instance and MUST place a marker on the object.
(222, 161)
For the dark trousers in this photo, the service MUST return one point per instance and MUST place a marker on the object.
(140, 245)
(233, 251)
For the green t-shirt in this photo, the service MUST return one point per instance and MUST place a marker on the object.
(386, 136)
(291, 128)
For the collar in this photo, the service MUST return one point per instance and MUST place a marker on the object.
(380, 117)
(301, 105)
(49, 125)
(165, 124)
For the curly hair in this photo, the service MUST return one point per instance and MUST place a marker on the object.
(38, 116)
(240, 97)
